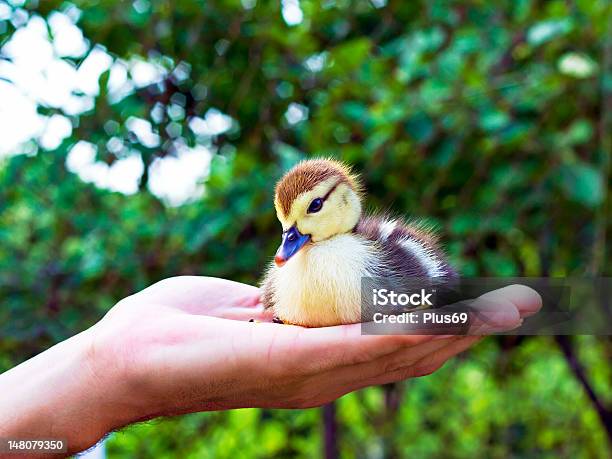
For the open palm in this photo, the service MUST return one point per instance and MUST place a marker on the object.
(187, 344)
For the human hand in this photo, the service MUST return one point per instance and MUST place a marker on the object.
(173, 346)
(185, 345)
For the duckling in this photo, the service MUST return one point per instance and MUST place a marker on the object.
(328, 246)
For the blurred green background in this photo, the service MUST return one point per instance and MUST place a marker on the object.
(141, 140)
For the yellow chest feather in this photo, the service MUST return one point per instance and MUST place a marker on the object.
(321, 285)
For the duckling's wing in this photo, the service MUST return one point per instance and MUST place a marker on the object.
(407, 249)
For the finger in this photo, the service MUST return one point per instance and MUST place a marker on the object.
(503, 309)
(202, 295)
(526, 299)
(493, 312)
(427, 364)
(322, 349)
(433, 362)
(315, 350)
(407, 357)
(432, 355)
(485, 315)
(351, 374)
(496, 311)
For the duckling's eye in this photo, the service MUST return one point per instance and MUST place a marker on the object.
(315, 205)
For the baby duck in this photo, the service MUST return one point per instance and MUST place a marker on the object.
(328, 246)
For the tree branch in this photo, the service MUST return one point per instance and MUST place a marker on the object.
(605, 415)
(330, 431)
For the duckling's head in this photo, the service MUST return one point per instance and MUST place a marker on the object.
(316, 200)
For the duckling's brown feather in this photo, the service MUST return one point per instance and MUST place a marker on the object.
(308, 174)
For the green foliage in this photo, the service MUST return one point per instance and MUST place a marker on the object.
(486, 119)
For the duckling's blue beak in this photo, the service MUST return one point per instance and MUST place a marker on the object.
(293, 241)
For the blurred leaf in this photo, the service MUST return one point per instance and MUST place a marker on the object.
(577, 65)
(582, 182)
(547, 30)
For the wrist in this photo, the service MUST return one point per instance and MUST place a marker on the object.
(78, 408)
(117, 393)
(62, 393)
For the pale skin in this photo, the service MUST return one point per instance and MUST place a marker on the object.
(186, 344)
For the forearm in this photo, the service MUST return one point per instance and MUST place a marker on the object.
(59, 394)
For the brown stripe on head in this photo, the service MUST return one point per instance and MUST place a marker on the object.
(308, 174)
